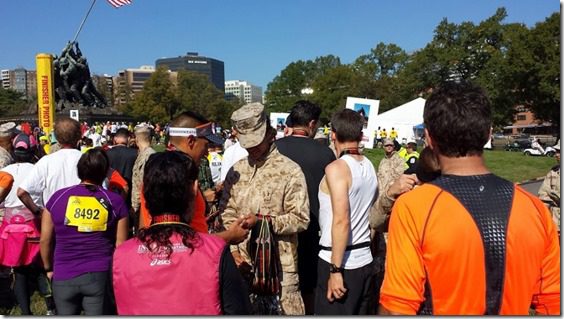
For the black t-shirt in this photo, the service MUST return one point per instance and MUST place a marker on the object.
(122, 159)
(312, 157)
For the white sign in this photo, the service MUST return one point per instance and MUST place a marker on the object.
(278, 120)
(369, 110)
(74, 115)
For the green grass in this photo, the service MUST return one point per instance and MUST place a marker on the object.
(513, 166)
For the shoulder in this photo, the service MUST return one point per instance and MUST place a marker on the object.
(132, 244)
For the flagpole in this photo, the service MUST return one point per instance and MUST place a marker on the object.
(83, 20)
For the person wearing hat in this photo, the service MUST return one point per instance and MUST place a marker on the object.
(169, 268)
(549, 192)
(411, 156)
(190, 133)
(143, 138)
(20, 232)
(272, 186)
(7, 133)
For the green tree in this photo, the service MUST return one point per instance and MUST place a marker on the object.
(157, 101)
(12, 102)
(196, 93)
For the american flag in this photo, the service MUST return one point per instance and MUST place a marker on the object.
(119, 3)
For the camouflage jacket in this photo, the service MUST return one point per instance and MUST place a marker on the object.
(137, 177)
(275, 186)
(389, 169)
(549, 193)
(5, 158)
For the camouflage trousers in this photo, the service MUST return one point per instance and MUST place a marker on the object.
(291, 298)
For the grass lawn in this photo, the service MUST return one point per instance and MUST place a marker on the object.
(513, 166)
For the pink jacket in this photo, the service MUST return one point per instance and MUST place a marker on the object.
(185, 284)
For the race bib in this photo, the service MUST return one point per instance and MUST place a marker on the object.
(88, 214)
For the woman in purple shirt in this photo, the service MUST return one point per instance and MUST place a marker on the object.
(88, 223)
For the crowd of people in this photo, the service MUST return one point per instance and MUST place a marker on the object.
(242, 222)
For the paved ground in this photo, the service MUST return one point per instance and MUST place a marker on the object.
(532, 187)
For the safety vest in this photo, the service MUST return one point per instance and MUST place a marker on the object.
(408, 157)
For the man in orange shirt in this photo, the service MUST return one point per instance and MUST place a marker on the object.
(469, 242)
(190, 133)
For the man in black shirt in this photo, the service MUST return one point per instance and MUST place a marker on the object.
(312, 158)
(122, 158)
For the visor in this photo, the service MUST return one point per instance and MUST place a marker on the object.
(206, 131)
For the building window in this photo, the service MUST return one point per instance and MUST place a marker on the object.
(521, 117)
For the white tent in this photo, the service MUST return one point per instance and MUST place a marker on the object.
(403, 118)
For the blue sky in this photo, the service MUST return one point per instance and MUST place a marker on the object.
(255, 39)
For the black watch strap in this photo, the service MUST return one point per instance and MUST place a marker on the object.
(334, 269)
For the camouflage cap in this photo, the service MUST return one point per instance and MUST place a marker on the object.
(387, 141)
(250, 122)
(7, 129)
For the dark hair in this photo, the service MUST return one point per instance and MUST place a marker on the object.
(458, 117)
(302, 113)
(167, 188)
(188, 119)
(67, 131)
(122, 132)
(428, 167)
(93, 166)
(347, 124)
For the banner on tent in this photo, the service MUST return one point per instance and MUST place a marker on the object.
(369, 110)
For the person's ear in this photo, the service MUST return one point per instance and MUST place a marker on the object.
(428, 140)
(191, 140)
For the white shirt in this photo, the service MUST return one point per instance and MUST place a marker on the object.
(231, 156)
(215, 160)
(53, 172)
(19, 172)
(96, 139)
(362, 194)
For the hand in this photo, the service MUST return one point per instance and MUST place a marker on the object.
(249, 221)
(218, 187)
(49, 275)
(401, 185)
(209, 195)
(335, 287)
(237, 231)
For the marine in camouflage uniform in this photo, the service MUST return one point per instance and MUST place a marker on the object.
(549, 191)
(142, 135)
(273, 185)
(391, 167)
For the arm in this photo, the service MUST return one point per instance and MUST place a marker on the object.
(404, 278)
(387, 194)
(122, 231)
(46, 242)
(6, 182)
(228, 209)
(338, 179)
(26, 199)
(544, 190)
(234, 293)
(296, 207)
(547, 300)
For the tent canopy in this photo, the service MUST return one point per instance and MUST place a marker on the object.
(403, 118)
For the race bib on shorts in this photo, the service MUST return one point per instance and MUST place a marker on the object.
(88, 214)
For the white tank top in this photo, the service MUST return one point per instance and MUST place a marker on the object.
(362, 195)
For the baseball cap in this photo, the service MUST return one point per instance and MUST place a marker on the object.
(206, 131)
(22, 141)
(387, 141)
(250, 122)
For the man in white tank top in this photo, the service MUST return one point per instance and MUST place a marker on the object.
(346, 194)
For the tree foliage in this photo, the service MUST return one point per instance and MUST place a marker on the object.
(515, 64)
(13, 102)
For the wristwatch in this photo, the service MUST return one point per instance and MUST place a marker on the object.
(334, 269)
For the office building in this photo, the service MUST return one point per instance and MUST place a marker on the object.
(243, 90)
(212, 68)
(20, 80)
(129, 82)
